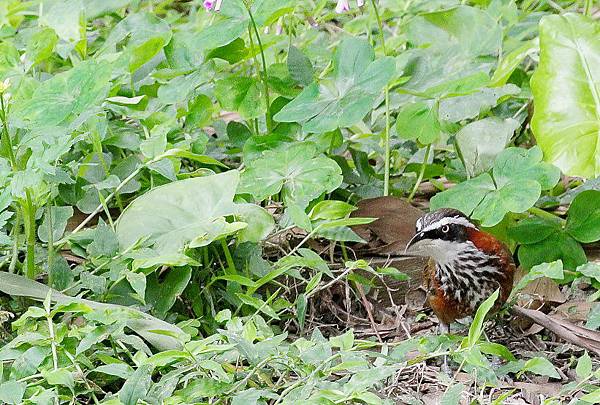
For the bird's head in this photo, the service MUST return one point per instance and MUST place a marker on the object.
(441, 235)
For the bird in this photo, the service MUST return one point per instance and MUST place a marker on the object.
(466, 264)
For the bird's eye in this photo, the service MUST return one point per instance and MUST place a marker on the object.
(445, 228)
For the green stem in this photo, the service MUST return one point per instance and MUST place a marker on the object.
(15, 236)
(538, 212)
(228, 257)
(29, 211)
(264, 67)
(421, 173)
(50, 240)
(587, 10)
(6, 141)
(386, 138)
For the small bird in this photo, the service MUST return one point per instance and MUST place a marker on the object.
(466, 264)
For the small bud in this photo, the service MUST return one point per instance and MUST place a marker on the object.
(208, 4)
(4, 85)
(360, 3)
(218, 5)
(342, 6)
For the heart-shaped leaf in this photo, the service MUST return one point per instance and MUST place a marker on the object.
(345, 99)
(188, 212)
(566, 92)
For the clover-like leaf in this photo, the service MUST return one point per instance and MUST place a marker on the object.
(188, 212)
(565, 89)
(584, 217)
(519, 178)
(298, 172)
(344, 100)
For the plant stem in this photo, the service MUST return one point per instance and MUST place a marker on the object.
(16, 236)
(228, 256)
(538, 212)
(587, 9)
(421, 173)
(29, 214)
(6, 141)
(50, 240)
(386, 138)
(264, 67)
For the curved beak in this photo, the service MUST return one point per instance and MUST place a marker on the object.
(418, 236)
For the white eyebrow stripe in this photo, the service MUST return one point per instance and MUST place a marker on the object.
(449, 221)
(419, 223)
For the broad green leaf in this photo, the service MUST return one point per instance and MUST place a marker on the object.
(40, 45)
(65, 96)
(12, 392)
(301, 309)
(566, 92)
(519, 178)
(188, 212)
(345, 99)
(480, 142)
(541, 366)
(64, 18)
(298, 172)
(583, 222)
(418, 121)
(593, 317)
(533, 229)
(558, 246)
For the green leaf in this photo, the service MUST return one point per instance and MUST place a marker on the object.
(566, 92)
(60, 376)
(143, 324)
(583, 222)
(592, 397)
(418, 121)
(65, 96)
(553, 270)
(162, 296)
(540, 366)
(300, 67)
(186, 212)
(12, 392)
(301, 309)
(258, 304)
(241, 94)
(584, 366)
(558, 246)
(59, 218)
(136, 387)
(40, 45)
(519, 178)
(455, 109)
(344, 100)
(480, 142)
(344, 341)
(331, 209)
(452, 395)
(298, 172)
(533, 230)
(593, 317)
(476, 328)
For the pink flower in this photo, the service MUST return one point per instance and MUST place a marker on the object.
(342, 6)
(208, 5)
